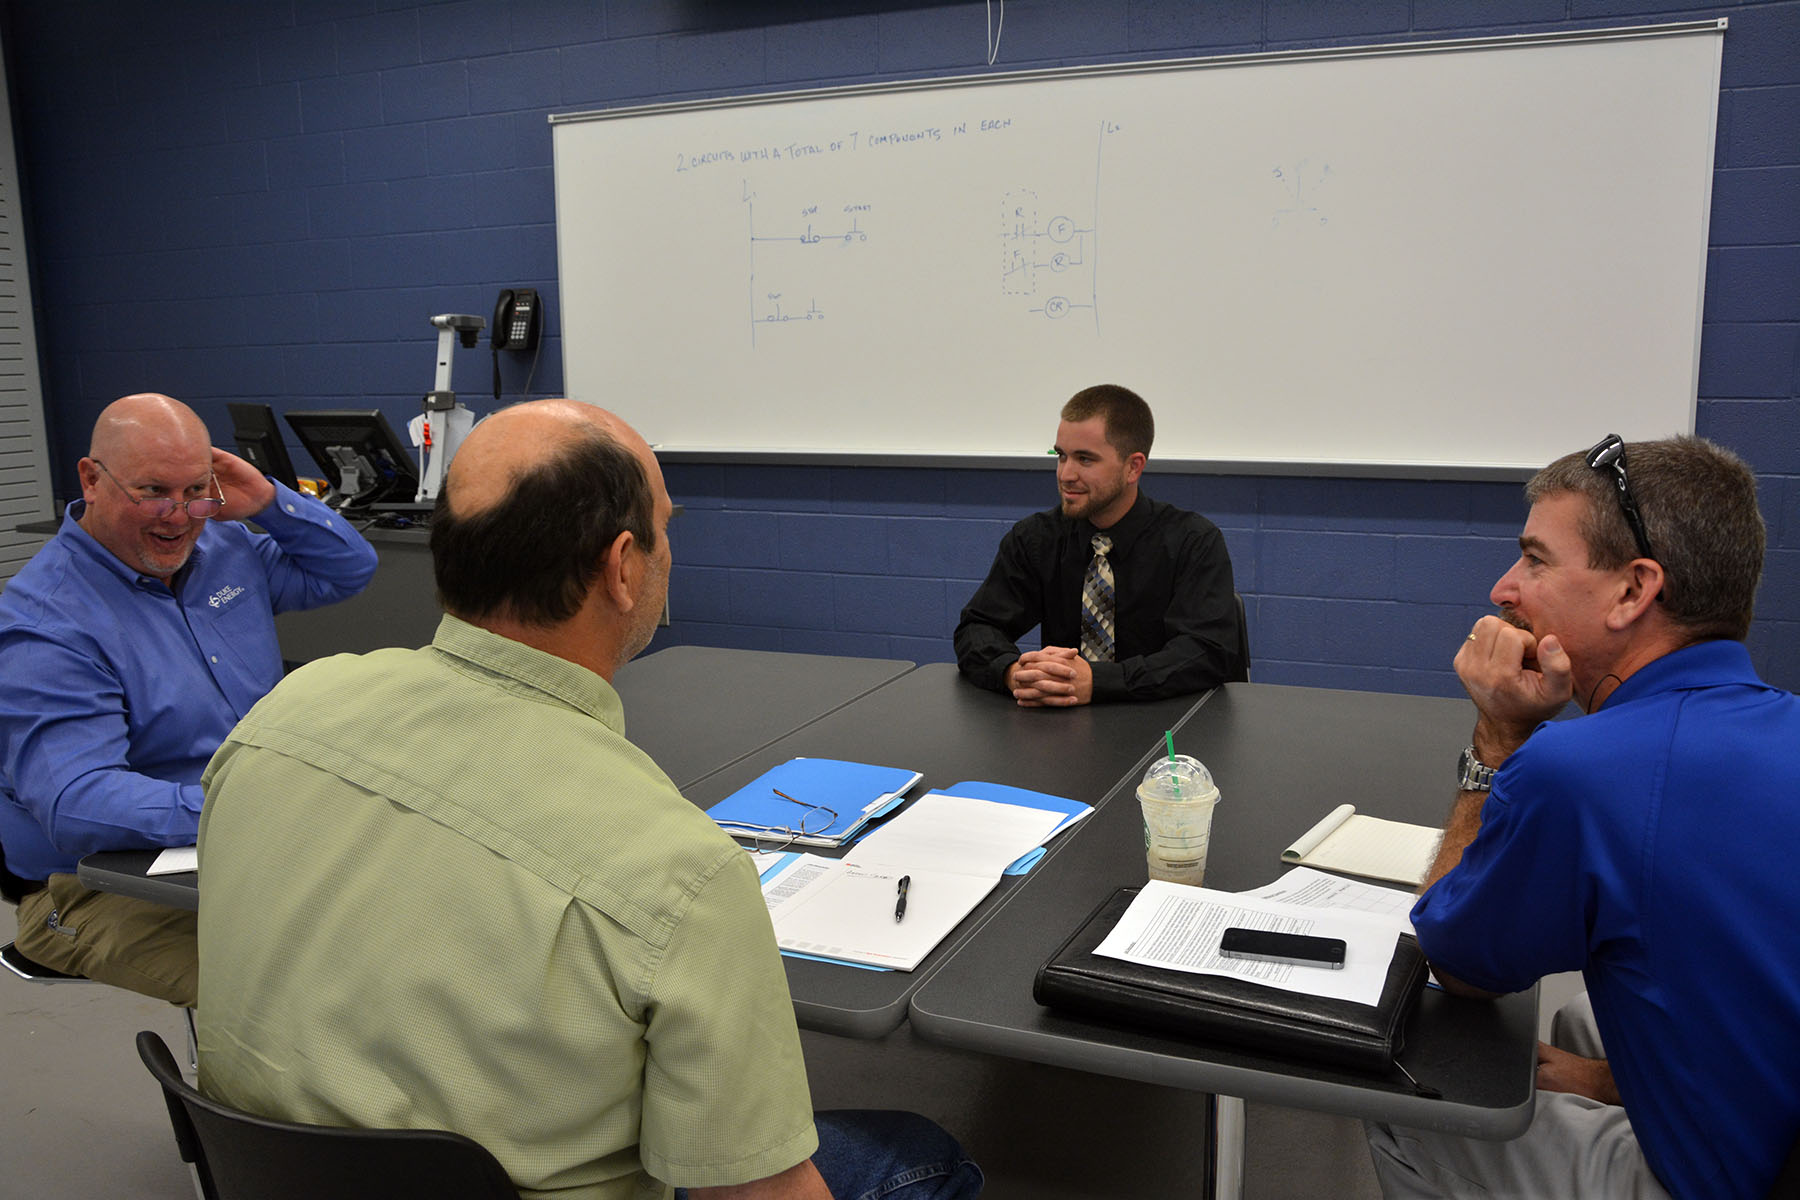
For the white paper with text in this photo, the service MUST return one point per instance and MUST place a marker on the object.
(1178, 927)
(1315, 889)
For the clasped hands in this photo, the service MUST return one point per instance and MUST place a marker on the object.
(1517, 681)
(1054, 677)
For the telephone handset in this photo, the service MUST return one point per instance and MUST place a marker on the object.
(517, 319)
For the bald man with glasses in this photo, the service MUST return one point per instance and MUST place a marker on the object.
(130, 645)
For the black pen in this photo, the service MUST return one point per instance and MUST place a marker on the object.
(900, 904)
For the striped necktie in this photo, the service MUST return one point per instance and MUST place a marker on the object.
(1097, 604)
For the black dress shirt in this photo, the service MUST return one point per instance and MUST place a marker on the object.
(1176, 609)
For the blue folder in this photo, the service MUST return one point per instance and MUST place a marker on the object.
(831, 800)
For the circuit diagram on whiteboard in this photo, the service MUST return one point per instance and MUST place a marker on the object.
(1045, 257)
(796, 263)
(1048, 252)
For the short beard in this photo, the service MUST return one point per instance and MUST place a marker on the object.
(156, 570)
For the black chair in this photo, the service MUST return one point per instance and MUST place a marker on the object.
(14, 960)
(1787, 1183)
(1243, 641)
(237, 1156)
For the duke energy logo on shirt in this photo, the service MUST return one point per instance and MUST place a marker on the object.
(224, 596)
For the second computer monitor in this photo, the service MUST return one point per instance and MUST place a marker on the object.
(359, 452)
(258, 437)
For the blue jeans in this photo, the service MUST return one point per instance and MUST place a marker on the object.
(865, 1154)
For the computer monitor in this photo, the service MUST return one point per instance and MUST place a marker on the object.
(259, 441)
(368, 466)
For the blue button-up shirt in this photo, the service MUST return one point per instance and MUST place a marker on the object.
(115, 690)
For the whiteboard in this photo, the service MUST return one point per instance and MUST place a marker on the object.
(1457, 254)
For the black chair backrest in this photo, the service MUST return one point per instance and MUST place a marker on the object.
(1243, 641)
(237, 1156)
(1787, 1183)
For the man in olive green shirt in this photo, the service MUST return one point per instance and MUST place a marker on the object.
(443, 891)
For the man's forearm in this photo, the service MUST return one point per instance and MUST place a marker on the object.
(321, 558)
(1460, 829)
(1185, 665)
(1495, 740)
(984, 655)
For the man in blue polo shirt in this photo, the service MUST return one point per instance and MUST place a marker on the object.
(129, 647)
(1644, 843)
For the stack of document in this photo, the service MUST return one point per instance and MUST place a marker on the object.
(1178, 928)
(949, 851)
(812, 801)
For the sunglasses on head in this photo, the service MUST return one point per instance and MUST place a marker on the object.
(1608, 457)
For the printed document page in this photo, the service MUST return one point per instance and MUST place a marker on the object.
(951, 849)
(1315, 889)
(1178, 927)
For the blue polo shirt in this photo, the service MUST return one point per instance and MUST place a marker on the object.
(115, 691)
(1650, 845)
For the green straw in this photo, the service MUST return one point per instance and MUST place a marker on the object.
(1174, 779)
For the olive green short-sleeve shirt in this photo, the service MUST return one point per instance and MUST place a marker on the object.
(443, 891)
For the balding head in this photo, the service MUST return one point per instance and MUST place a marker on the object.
(145, 446)
(534, 499)
(144, 421)
(516, 441)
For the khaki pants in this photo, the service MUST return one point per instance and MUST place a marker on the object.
(132, 944)
(1574, 1146)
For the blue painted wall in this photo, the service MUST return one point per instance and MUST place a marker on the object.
(265, 199)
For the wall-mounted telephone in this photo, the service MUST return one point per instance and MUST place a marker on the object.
(517, 318)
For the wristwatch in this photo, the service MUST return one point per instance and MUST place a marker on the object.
(1471, 776)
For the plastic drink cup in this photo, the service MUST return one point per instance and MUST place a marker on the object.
(1177, 796)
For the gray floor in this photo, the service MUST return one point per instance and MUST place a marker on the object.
(84, 1118)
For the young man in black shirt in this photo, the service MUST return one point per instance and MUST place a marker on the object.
(1135, 597)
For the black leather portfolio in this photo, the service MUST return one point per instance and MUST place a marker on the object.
(1233, 1011)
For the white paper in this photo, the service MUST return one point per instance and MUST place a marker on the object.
(1309, 841)
(1315, 889)
(174, 860)
(957, 833)
(1369, 846)
(952, 850)
(1178, 927)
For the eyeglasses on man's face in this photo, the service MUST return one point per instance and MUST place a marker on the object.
(1608, 457)
(160, 507)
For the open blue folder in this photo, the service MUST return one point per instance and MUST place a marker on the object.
(1070, 811)
(829, 801)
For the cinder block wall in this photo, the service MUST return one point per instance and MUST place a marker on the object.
(265, 199)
